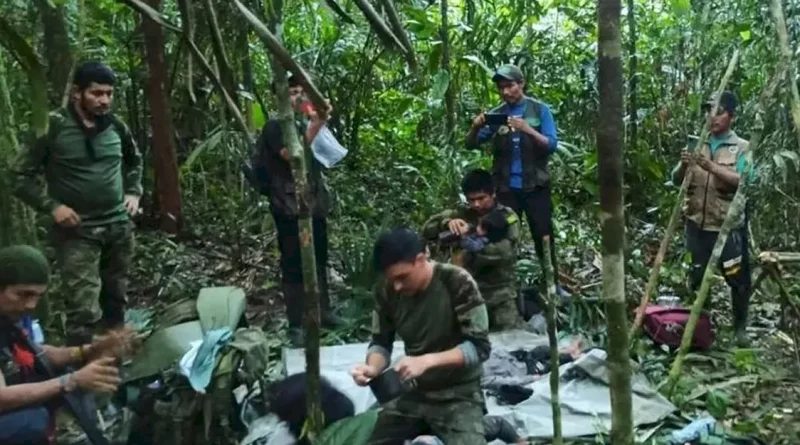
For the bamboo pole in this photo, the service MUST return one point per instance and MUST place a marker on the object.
(552, 299)
(652, 282)
(300, 168)
(733, 217)
(786, 52)
(287, 62)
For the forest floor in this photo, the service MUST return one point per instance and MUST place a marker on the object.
(752, 391)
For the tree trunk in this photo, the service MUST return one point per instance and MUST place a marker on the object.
(553, 302)
(163, 143)
(300, 154)
(218, 45)
(56, 49)
(786, 52)
(16, 219)
(399, 31)
(449, 94)
(633, 108)
(610, 148)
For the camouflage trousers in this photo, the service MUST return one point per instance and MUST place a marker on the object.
(93, 263)
(502, 307)
(456, 420)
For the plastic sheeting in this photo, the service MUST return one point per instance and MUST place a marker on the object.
(584, 393)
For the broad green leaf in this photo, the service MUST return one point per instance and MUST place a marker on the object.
(477, 61)
(435, 57)
(258, 116)
(745, 35)
(717, 404)
(350, 431)
(440, 83)
(681, 7)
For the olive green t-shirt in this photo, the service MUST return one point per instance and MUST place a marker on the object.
(449, 312)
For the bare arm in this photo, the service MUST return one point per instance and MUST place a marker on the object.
(27, 394)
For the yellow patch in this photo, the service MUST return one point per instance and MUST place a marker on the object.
(512, 218)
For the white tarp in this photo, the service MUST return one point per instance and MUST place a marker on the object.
(585, 404)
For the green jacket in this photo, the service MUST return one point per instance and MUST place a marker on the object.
(89, 173)
(493, 267)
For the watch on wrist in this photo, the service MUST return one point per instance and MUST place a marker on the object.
(67, 382)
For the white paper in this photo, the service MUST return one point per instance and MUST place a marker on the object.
(326, 149)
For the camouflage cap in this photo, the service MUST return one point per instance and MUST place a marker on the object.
(727, 102)
(508, 72)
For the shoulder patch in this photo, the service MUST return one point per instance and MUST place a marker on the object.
(512, 218)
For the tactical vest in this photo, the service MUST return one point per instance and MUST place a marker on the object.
(708, 197)
(535, 171)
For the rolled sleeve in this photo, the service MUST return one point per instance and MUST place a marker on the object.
(383, 329)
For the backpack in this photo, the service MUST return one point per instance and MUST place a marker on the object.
(665, 325)
(168, 410)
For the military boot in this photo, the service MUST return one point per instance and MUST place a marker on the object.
(294, 298)
(741, 304)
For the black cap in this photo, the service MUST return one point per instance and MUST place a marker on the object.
(727, 102)
(508, 72)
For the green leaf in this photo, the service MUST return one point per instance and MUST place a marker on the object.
(440, 83)
(435, 57)
(258, 116)
(745, 35)
(477, 61)
(350, 430)
(717, 404)
(681, 7)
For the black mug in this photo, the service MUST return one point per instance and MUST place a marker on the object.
(387, 386)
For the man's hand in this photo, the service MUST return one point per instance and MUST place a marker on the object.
(98, 376)
(115, 344)
(519, 124)
(705, 163)
(323, 116)
(412, 367)
(458, 226)
(686, 158)
(362, 374)
(66, 217)
(132, 204)
(479, 121)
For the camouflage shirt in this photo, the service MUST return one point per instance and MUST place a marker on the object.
(447, 314)
(89, 170)
(493, 267)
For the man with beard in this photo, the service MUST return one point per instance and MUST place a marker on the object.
(93, 173)
(715, 170)
(493, 265)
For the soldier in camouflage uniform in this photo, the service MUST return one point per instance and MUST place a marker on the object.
(93, 173)
(438, 312)
(493, 267)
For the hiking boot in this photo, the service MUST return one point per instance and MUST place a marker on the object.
(297, 337)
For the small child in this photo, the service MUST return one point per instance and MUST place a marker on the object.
(492, 228)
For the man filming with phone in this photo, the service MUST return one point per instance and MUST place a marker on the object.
(523, 135)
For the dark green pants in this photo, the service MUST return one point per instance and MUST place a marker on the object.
(456, 421)
(94, 263)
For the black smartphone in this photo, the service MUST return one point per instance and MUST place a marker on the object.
(496, 118)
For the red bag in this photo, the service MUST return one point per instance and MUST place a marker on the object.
(665, 325)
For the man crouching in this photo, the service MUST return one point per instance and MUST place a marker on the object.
(438, 312)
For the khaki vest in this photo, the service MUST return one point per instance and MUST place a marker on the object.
(708, 198)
